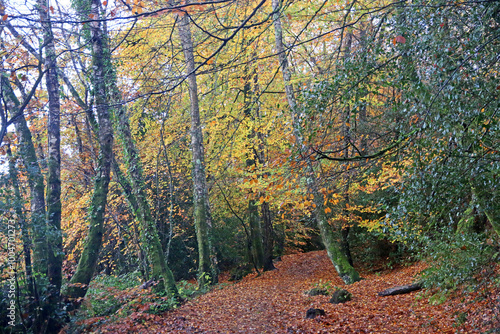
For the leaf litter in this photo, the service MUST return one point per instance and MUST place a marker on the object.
(275, 302)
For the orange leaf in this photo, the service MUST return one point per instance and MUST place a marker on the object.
(4, 18)
(52, 9)
(399, 39)
(104, 3)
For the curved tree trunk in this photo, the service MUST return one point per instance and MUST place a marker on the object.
(340, 262)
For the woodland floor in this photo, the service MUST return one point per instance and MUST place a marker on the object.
(275, 303)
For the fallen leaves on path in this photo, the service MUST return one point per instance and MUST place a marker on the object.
(275, 302)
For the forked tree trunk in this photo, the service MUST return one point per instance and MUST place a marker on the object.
(330, 239)
(150, 240)
(88, 260)
(207, 262)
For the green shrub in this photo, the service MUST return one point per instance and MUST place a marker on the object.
(455, 261)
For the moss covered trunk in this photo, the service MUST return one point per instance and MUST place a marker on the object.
(207, 261)
(19, 210)
(88, 260)
(35, 181)
(330, 239)
(54, 235)
(139, 203)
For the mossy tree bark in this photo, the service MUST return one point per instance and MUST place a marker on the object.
(346, 129)
(54, 235)
(139, 203)
(207, 261)
(340, 262)
(42, 309)
(88, 260)
(19, 210)
(36, 184)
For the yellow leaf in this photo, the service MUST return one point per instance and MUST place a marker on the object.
(328, 210)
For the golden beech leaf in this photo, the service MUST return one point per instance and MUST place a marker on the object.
(328, 210)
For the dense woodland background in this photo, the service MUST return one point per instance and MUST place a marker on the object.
(161, 141)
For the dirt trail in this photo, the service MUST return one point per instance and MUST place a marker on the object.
(275, 303)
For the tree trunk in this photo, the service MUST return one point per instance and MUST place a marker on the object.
(257, 253)
(340, 262)
(207, 263)
(19, 206)
(149, 235)
(256, 249)
(399, 290)
(267, 237)
(88, 260)
(54, 235)
(345, 223)
(28, 155)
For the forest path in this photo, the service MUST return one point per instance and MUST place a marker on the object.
(275, 303)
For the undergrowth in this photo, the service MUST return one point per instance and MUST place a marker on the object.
(458, 262)
(112, 297)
